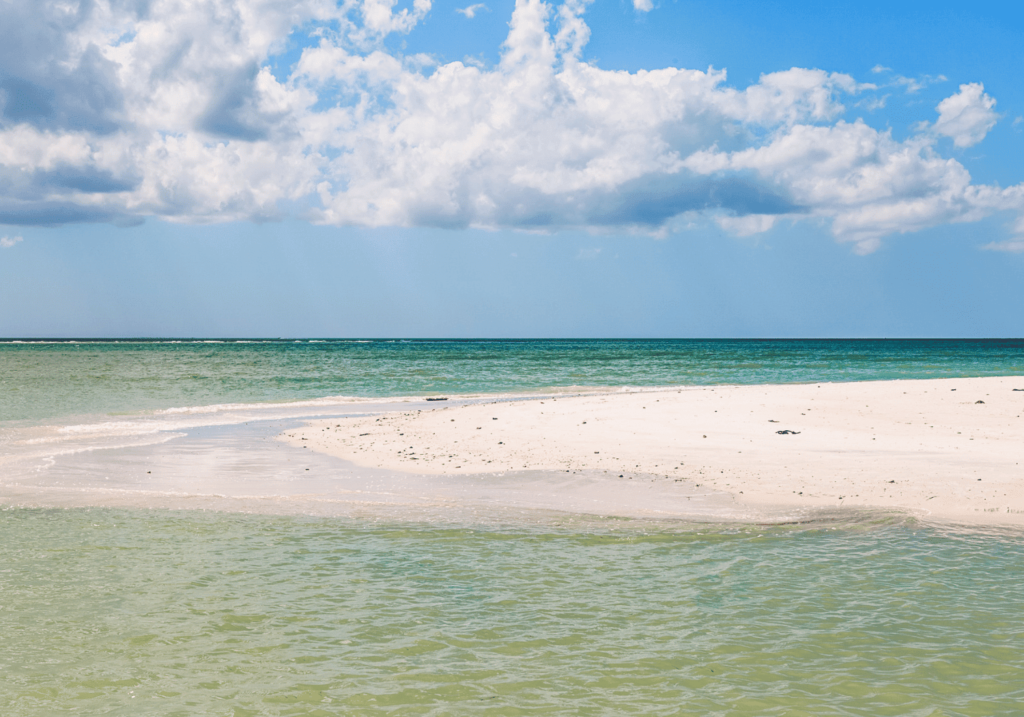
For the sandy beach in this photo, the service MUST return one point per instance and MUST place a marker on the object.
(947, 449)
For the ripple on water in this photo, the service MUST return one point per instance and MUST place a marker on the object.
(147, 612)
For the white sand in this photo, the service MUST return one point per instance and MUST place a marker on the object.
(928, 447)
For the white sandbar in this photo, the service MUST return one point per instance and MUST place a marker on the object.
(950, 449)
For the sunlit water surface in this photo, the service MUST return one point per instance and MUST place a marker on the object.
(114, 612)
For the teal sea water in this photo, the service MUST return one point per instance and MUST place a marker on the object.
(41, 379)
(159, 609)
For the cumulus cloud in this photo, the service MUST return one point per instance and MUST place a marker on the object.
(114, 110)
(7, 242)
(967, 116)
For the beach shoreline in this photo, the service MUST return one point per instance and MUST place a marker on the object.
(950, 450)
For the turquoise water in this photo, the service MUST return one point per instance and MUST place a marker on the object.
(439, 611)
(110, 612)
(45, 380)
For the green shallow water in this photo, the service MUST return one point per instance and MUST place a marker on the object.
(110, 612)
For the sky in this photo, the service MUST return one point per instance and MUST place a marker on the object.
(516, 169)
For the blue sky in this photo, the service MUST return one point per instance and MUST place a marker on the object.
(258, 168)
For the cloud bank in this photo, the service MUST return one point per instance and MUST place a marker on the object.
(117, 110)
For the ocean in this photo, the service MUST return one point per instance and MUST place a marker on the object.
(162, 554)
(53, 379)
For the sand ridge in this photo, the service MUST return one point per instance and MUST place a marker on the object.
(944, 448)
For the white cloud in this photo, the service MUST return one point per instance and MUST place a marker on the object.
(171, 109)
(967, 116)
(379, 17)
(6, 242)
(747, 225)
(910, 85)
(471, 11)
(864, 182)
(872, 104)
(916, 84)
(1014, 246)
(643, 5)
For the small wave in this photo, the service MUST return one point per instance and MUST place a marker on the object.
(312, 402)
(105, 428)
(154, 438)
